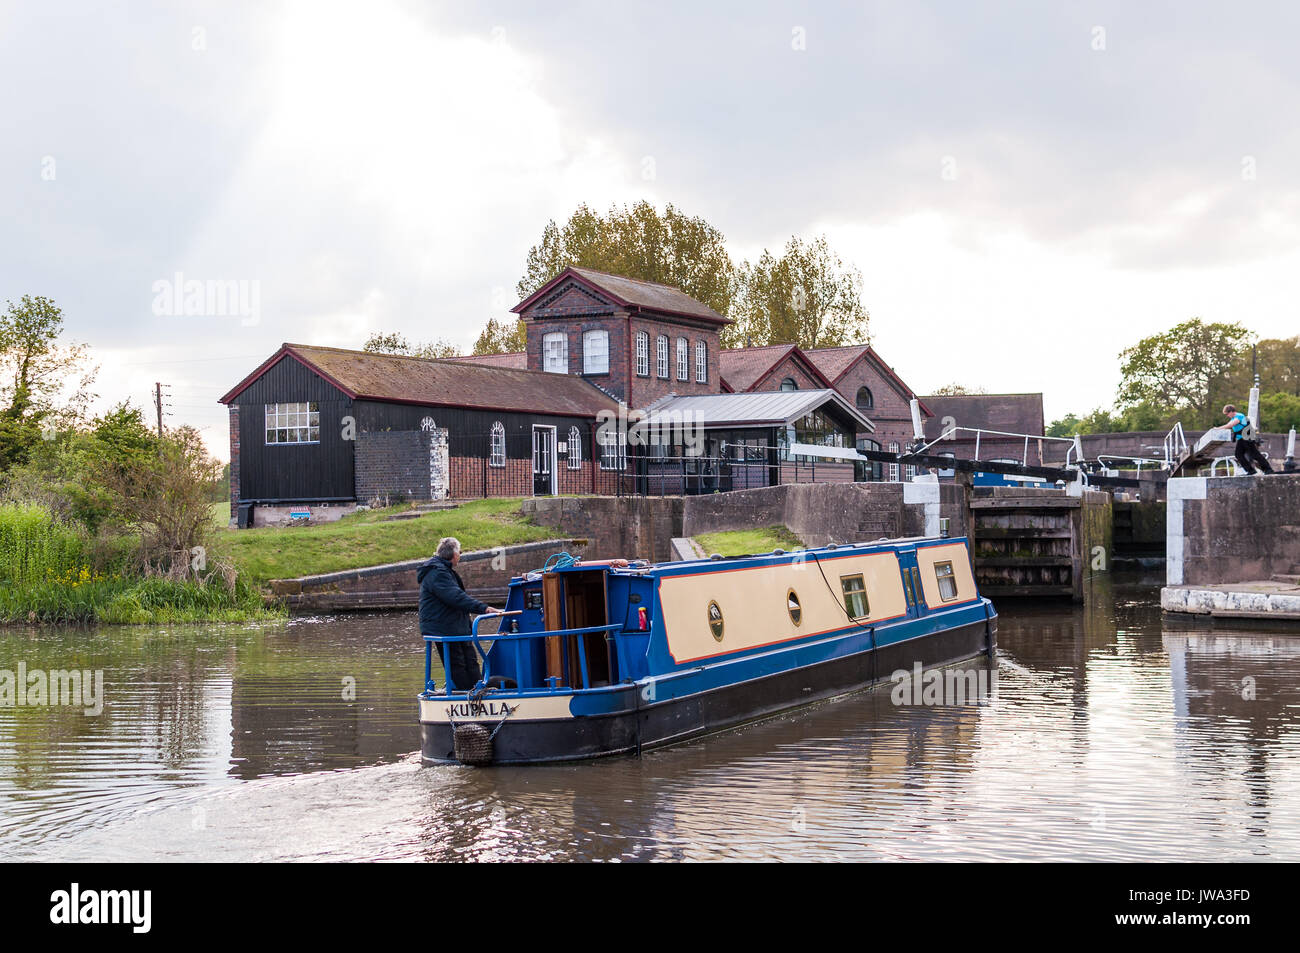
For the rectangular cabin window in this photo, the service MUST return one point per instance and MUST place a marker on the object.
(292, 423)
(855, 596)
(947, 581)
(916, 585)
(907, 588)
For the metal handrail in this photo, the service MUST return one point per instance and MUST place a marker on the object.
(1175, 445)
(980, 431)
(518, 638)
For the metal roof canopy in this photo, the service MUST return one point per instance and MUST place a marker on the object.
(751, 409)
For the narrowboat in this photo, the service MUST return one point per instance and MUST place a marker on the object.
(602, 658)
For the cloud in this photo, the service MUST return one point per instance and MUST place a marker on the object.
(993, 172)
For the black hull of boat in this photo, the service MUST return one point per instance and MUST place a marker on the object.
(635, 728)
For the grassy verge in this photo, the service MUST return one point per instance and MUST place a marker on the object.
(367, 539)
(742, 542)
(125, 600)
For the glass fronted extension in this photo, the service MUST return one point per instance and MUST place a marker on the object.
(815, 428)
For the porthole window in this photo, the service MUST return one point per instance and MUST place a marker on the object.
(715, 621)
(793, 607)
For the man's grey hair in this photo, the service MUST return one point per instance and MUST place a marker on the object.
(448, 547)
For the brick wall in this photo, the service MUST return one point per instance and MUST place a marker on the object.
(574, 313)
(473, 477)
(394, 462)
(891, 412)
(645, 390)
(234, 463)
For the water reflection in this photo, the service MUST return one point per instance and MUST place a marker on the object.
(1109, 735)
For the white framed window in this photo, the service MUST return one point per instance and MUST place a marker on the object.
(909, 472)
(555, 352)
(947, 581)
(893, 467)
(642, 354)
(498, 449)
(855, 596)
(292, 423)
(595, 352)
(701, 362)
(613, 452)
(661, 356)
(575, 448)
(683, 360)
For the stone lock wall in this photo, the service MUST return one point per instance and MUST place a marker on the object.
(1232, 529)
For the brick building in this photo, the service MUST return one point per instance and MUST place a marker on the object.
(636, 340)
(330, 428)
(855, 371)
(1008, 413)
(327, 426)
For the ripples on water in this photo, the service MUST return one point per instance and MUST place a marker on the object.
(1110, 736)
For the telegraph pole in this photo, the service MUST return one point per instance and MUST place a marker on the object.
(157, 403)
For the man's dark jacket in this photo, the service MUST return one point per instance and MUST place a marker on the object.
(444, 604)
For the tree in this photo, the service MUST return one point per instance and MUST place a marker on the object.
(500, 337)
(159, 488)
(637, 242)
(1143, 416)
(1276, 360)
(395, 343)
(1279, 412)
(1175, 371)
(958, 390)
(43, 384)
(808, 296)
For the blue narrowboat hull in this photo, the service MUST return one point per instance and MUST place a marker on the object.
(678, 706)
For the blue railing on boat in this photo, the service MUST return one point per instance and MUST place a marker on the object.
(519, 639)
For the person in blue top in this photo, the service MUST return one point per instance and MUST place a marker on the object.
(1244, 448)
(445, 609)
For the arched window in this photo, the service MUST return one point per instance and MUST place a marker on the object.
(701, 362)
(595, 352)
(661, 356)
(642, 354)
(865, 400)
(683, 360)
(789, 384)
(498, 450)
(575, 448)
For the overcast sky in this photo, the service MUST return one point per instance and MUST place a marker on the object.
(1027, 187)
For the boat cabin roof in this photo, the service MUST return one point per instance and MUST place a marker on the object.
(642, 568)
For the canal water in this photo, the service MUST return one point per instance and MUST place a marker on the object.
(1106, 734)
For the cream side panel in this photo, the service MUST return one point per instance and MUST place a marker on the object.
(490, 710)
(753, 602)
(928, 556)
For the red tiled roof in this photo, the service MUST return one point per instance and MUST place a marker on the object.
(632, 293)
(835, 362)
(445, 383)
(516, 359)
(742, 367)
